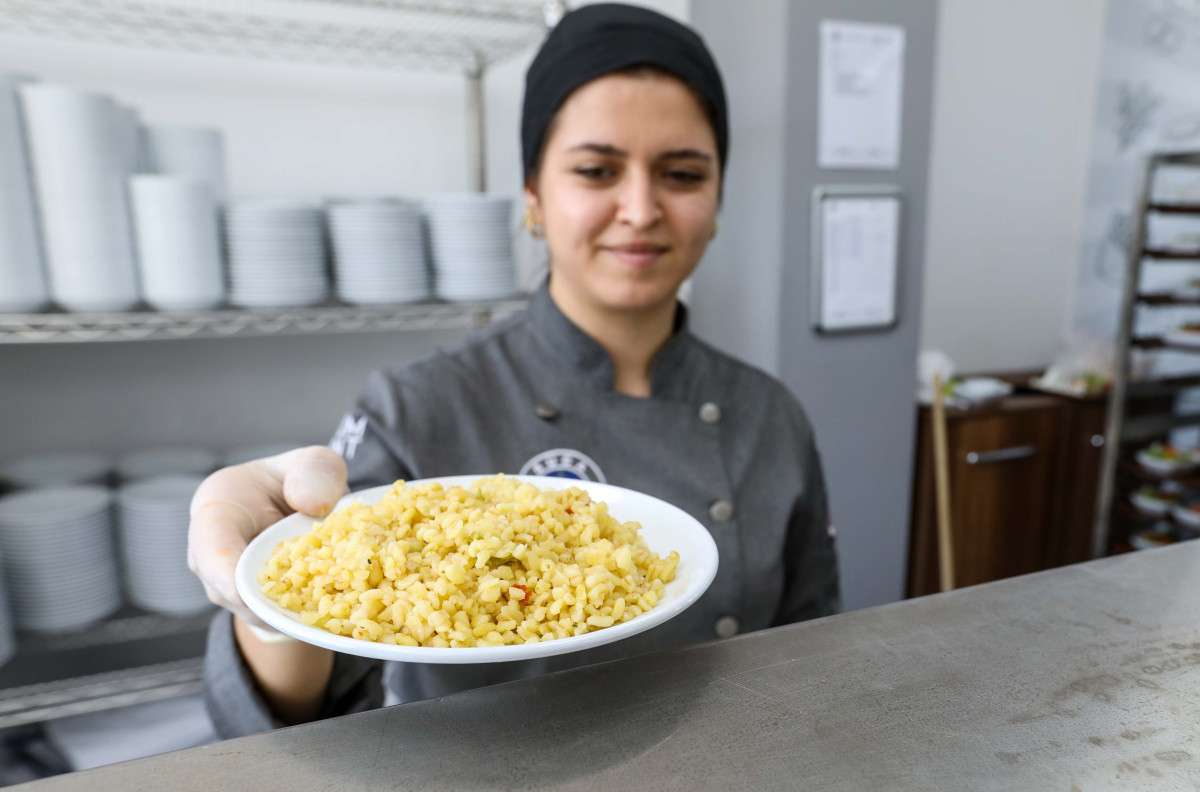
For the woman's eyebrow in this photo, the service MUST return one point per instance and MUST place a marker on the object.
(609, 150)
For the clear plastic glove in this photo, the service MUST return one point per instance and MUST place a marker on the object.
(235, 504)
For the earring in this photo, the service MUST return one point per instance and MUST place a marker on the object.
(530, 222)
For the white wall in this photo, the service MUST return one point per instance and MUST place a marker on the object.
(1014, 97)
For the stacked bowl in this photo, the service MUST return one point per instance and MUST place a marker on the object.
(59, 562)
(152, 520)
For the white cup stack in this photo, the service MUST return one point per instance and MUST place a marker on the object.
(179, 242)
(471, 239)
(22, 279)
(59, 561)
(277, 256)
(193, 152)
(155, 462)
(56, 469)
(153, 524)
(81, 152)
(379, 252)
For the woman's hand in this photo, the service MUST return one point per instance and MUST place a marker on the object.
(233, 505)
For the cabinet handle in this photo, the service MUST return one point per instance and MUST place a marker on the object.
(1097, 441)
(1000, 455)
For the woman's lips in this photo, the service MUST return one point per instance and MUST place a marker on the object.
(637, 256)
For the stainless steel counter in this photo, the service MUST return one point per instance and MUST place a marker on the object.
(1085, 678)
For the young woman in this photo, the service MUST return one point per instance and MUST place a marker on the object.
(624, 139)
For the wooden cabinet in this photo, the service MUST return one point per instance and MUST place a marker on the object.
(1023, 477)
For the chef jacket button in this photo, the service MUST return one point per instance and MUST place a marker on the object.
(721, 511)
(710, 413)
(545, 411)
(726, 627)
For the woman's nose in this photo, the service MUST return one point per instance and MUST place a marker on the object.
(638, 201)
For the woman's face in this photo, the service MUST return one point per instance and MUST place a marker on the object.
(627, 191)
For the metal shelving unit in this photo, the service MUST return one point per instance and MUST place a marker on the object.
(1130, 421)
(439, 35)
(132, 658)
(137, 657)
(58, 328)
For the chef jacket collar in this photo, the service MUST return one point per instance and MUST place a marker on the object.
(574, 348)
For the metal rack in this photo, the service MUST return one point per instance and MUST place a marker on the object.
(138, 657)
(57, 328)
(1147, 421)
(440, 35)
(132, 658)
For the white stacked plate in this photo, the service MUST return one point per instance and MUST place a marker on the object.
(378, 252)
(81, 146)
(57, 469)
(277, 256)
(155, 462)
(152, 519)
(56, 546)
(22, 280)
(470, 237)
(8, 640)
(248, 453)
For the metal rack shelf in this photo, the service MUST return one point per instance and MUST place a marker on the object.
(57, 328)
(427, 35)
(132, 658)
(97, 692)
(1175, 208)
(466, 36)
(1124, 430)
(1164, 254)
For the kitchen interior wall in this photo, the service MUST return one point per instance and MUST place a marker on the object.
(1015, 92)
(1148, 101)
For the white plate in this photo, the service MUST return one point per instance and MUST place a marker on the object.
(1164, 467)
(1186, 516)
(664, 528)
(1183, 338)
(1150, 505)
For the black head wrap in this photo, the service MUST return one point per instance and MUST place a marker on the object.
(599, 39)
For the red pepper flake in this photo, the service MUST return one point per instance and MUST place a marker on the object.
(528, 598)
(570, 510)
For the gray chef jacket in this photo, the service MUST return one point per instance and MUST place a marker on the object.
(723, 441)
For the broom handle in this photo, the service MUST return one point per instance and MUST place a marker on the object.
(941, 464)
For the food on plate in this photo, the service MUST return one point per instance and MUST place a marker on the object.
(1156, 499)
(1145, 540)
(1164, 452)
(500, 562)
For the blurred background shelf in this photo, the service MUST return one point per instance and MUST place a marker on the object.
(57, 328)
(385, 34)
(132, 658)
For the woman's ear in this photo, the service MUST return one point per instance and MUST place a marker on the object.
(532, 218)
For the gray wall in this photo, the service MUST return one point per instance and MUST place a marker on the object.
(858, 389)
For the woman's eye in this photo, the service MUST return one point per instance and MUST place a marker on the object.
(595, 172)
(686, 177)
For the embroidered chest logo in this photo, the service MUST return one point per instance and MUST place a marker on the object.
(564, 463)
(348, 435)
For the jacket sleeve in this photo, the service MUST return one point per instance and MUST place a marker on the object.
(811, 583)
(236, 705)
(368, 440)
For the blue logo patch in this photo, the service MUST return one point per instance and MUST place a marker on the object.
(564, 463)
